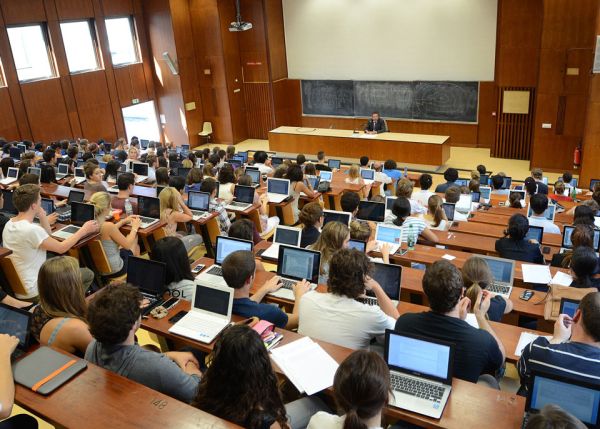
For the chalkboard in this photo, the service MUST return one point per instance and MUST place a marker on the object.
(423, 100)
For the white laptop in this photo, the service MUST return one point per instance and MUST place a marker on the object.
(326, 176)
(36, 171)
(567, 244)
(485, 193)
(79, 175)
(62, 171)
(66, 232)
(367, 175)
(283, 235)
(141, 171)
(243, 198)
(209, 315)
(389, 277)
(277, 189)
(295, 264)
(389, 234)
(331, 215)
(548, 214)
(464, 204)
(503, 272)
(11, 176)
(225, 246)
(420, 373)
(199, 204)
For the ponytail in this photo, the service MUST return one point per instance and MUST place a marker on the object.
(353, 421)
(472, 293)
(438, 216)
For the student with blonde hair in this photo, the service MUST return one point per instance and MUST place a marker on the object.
(208, 170)
(436, 216)
(355, 179)
(117, 247)
(476, 278)
(172, 211)
(267, 223)
(335, 236)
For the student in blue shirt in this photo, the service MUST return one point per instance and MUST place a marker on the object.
(390, 169)
(238, 271)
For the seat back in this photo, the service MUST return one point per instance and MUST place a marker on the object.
(12, 276)
(99, 256)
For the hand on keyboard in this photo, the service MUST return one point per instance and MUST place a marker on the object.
(272, 285)
(300, 289)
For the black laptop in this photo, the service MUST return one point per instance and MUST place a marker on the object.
(16, 322)
(150, 278)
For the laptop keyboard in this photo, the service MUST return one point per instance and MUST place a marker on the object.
(288, 284)
(369, 300)
(197, 213)
(203, 327)
(147, 220)
(236, 204)
(499, 288)
(216, 271)
(418, 388)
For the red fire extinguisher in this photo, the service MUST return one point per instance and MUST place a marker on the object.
(577, 157)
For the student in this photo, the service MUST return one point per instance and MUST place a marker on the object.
(309, 169)
(125, 183)
(583, 215)
(179, 277)
(474, 185)
(152, 162)
(226, 183)
(239, 269)
(477, 351)
(230, 152)
(178, 183)
(404, 188)
(298, 186)
(515, 246)
(553, 417)
(481, 169)
(361, 388)
(452, 195)
(363, 232)
(349, 202)
(300, 160)
(450, 176)
(401, 217)
(423, 194)
(381, 177)
(390, 169)
(477, 277)
(354, 178)
(267, 223)
(59, 319)
(173, 210)
(193, 180)
(30, 241)
(336, 316)
(436, 216)
(162, 176)
(530, 185)
(515, 201)
(582, 236)
(538, 176)
(117, 247)
(111, 171)
(335, 236)
(574, 349)
(497, 182)
(311, 217)
(539, 204)
(262, 161)
(93, 175)
(114, 316)
(559, 192)
(584, 265)
(363, 161)
(322, 162)
(209, 186)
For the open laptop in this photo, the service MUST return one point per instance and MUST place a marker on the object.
(389, 203)
(567, 244)
(507, 183)
(484, 179)
(48, 205)
(389, 277)
(367, 175)
(16, 322)
(243, 198)
(15, 153)
(371, 210)
(593, 183)
(521, 195)
(8, 207)
(276, 161)
(277, 189)
(80, 214)
(334, 163)
(225, 246)
(149, 211)
(462, 182)
(449, 209)
(313, 181)
(199, 203)
(36, 171)
(420, 373)
(535, 233)
(503, 272)
(359, 245)
(62, 171)
(283, 235)
(74, 196)
(141, 171)
(11, 176)
(150, 277)
(334, 215)
(389, 234)
(485, 192)
(548, 214)
(578, 398)
(209, 315)
(79, 175)
(475, 197)
(295, 264)
(326, 176)
(255, 176)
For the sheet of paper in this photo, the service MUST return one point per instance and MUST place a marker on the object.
(536, 274)
(562, 279)
(525, 339)
(472, 320)
(449, 257)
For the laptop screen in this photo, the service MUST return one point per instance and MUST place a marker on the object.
(63, 168)
(548, 214)
(149, 207)
(361, 246)
(568, 231)
(326, 176)
(535, 233)
(389, 277)
(331, 215)
(371, 210)
(15, 322)
(79, 172)
(507, 182)
(149, 276)
(12, 172)
(212, 300)
(34, 170)
(418, 356)
(485, 192)
(237, 158)
(581, 401)
(8, 206)
(48, 205)
(593, 182)
(275, 186)
(475, 197)
(140, 169)
(244, 194)
(483, 179)
(314, 181)
(502, 270)
(198, 200)
(15, 153)
(276, 161)
(388, 234)
(389, 202)
(367, 174)
(334, 163)
(254, 174)
(449, 210)
(235, 163)
(75, 197)
(182, 171)
(569, 306)
(290, 236)
(243, 155)
(462, 182)
(144, 143)
(228, 245)
(81, 213)
(299, 263)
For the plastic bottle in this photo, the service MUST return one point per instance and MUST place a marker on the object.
(128, 207)
(411, 238)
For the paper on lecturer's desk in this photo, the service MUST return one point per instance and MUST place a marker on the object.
(536, 274)
(472, 320)
(526, 339)
(306, 364)
(562, 279)
(448, 257)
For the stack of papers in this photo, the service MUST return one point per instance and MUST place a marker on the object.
(562, 279)
(536, 274)
(526, 339)
(306, 365)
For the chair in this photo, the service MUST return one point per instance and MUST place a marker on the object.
(101, 263)
(12, 276)
(206, 133)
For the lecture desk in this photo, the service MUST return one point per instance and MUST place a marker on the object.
(99, 399)
(563, 217)
(409, 148)
(487, 218)
(497, 231)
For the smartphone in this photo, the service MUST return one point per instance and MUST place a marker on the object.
(198, 268)
(526, 295)
(546, 250)
(177, 317)
(170, 303)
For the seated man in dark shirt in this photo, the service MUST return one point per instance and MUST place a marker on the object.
(515, 245)
(477, 351)
(238, 271)
(450, 175)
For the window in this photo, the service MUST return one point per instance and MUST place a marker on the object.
(2, 78)
(80, 45)
(31, 52)
(122, 41)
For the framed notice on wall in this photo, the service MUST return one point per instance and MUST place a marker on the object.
(515, 102)
(596, 68)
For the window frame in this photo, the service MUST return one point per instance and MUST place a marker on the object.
(95, 43)
(134, 37)
(3, 82)
(49, 51)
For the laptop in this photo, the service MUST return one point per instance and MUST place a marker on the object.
(334, 163)
(389, 277)
(243, 198)
(475, 197)
(16, 322)
(144, 143)
(11, 176)
(567, 244)
(79, 175)
(484, 179)
(225, 246)
(367, 175)
(150, 277)
(8, 207)
(507, 183)
(255, 176)
(80, 214)
(199, 203)
(209, 315)
(65, 232)
(535, 233)
(420, 373)
(359, 245)
(569, 306)
(243, 155)
(462, 182)
(371, 210)
(326, 176)
(283, 235)
(485, 192)
(389, 203)
(148, 210)
(593, 183)
(578, 398)
(548, 214)
(35, 170)
(295, 264)
(277, 189)
(183, 171)
(503, 272)
(62, 171)
(235, 163)
(74, 196)
(313, 181)
(449, 209)
(389, 234)
(48, 205)
(334, 215)
(15, 153)
(141, 171)
(521, 194)
(276, 161)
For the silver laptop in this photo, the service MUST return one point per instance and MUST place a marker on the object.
(79, 175)
(326, 176)
(367, 175)
(66, 232)
(295, 264)
(389, 277)
(548, 214)
(389, 234)
(11, 176)
(199, 204)
(148, 210)
(141, 171)
(209, 315)
(254, 175)
(485, 192)
(283, 235)
(334, 215)
(277, 189)
(225, 246)
(503, 272)
(420, 373)
(243, 198)
(567, 244)
(35, 171)
(62, 171)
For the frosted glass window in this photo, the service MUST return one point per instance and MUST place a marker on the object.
(80, 46)
(122, 41)
(31, 53)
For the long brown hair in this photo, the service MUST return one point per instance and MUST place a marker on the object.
(434, 205)
(476, 277)
(331, 240)
(61, 288)
(583, 235)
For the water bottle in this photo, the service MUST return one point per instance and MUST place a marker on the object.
(574, 193)
(411, 238)
(128, 207)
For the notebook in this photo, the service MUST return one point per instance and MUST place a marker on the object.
(283, 235)
(503, 271)
(35, 170)
(148, 210)
(334, 215)
(255, 175)
(389, 277)
(326, 176)
(277, 189)
(15, 153)
(462, 182)
(81, 213)
(74, 196)
(484, 179)
(507, 183)
(62, 171)
(11, 176)
(295, 264)
(485, 192)
(48, 205)
(449, 209)
(150, 278)
(199, 203)
(359, 245)
(225, 246)
(475, 197)
(16, 322)
(243, 198)
(371, 210)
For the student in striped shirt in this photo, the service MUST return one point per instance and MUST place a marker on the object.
(573, 351)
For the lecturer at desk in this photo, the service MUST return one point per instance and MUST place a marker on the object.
(376, 125)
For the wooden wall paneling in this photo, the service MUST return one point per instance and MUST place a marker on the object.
(117, 7)
(139, 83)
(273, 18)
(74, 9)
(259, 118)
(513, 131)
(8, 123)
(253, 44)
(145, 54)
(46, 110)
(93, 105)
(580, 61)
(23, 11)
(486, 129)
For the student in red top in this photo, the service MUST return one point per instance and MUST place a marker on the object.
(560, 192)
